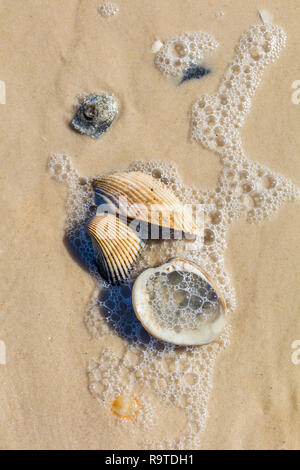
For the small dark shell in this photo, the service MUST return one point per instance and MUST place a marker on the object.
(194, 71)
(95, 115)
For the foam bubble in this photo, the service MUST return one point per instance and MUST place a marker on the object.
(245, 187)
(180, 52)
(108, 9)
(181, 300)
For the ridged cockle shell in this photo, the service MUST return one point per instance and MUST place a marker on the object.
(116, 246)
(137, 195)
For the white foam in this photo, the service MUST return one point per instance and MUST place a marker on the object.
(184, 302)
(179, 52)
(108, 9)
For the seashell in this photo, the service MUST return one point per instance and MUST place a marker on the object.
(265, 16)
(95, 114)
(156, 46)
(140, 196)
(194, 71)
(178, 302)
(116, 246)
(125, 406)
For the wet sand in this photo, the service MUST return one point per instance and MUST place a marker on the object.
(49, 54)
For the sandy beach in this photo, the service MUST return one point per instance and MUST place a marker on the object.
(49, 54)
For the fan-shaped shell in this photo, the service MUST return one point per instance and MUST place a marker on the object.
(116, 246)
(140, 196)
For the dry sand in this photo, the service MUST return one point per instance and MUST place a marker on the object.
(50, 52)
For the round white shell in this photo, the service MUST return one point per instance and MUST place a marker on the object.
(206, 333)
